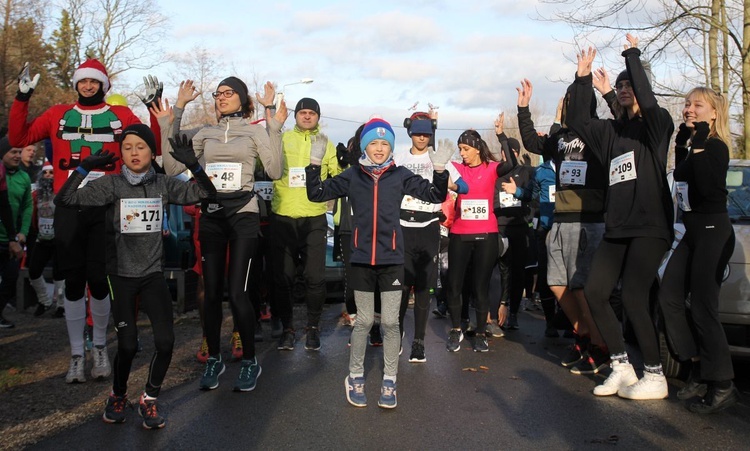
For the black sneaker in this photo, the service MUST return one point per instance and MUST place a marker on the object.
(574, 356)
(417, 352)
(480, 343)
(716, 399)
(40, 309)
(441, 311)
(147, 410)
(455, 337)
(512, 323)
(286, 342)
(114, 410)
(59, 313)
(5, 324)
(594, 361)
(376, 338)
(312, 343)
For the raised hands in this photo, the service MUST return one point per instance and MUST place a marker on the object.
(182, 151)
(499, 123)
(585, 59)
(510, 186)
(26, 84)
(96, 161)
(317, 148)
(524, 93)
(160, 108)
(441, 156)
(153, 89)
(600, 80)
(281, 113)
(269, 92)
(632, 41)
(186, 94)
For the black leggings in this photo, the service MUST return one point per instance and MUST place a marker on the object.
(79, 237)
(421, 246)
(217, 237)
(513, 264)
(151, 295)
(483, 254)
(636, 260)
(697, 267)
(44, 251)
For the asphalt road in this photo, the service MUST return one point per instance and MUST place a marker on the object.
(524, 400)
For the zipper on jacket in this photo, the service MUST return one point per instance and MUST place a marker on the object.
(374, 221)
(393, 240)
(226, 133)
(356, 236)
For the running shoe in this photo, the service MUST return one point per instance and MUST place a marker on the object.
(441, 311)
(355, 391)
(114, 410)
(265, 314)
(151, 418)
(286, 342)
(375, 338)
(59, 312)
(75, 370)
(236, 343)
(387, 395)
(202, 354)
(5, 324)
(716, 399)
(455, 337)
(595, 360)
(40, 309)
(101, 368)
(692, 389)
(214, 368)
(417, 352)
(575, 355)
(312, 342)
(248, 377)
(622, 375)
(480, 343)
(493, 330)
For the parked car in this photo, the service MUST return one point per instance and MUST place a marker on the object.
(734, 297)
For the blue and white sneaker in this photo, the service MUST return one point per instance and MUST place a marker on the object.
(248, 377)
(387, 394)
(455, 337)
(355, 391)
(214, 368)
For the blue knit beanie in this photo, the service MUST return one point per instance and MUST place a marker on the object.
(376, 128)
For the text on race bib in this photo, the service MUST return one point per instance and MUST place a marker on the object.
(264, 190)
(552, 189)
(682, 196)
(474, 209)
(622, 168)
(414, 204)
(573, 172)
(46, 227)
(141, 215)
(508, 200)
(225, 176)
(296, 177)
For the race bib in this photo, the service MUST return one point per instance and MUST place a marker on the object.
(682, 196)
(46, 228)
(552, 191)
(93, 175)
(508, 200)
(296, 177)
(264, 190)
(474, 209)
(443, 231)
(414, 204)
(140, 215)
(225, 176)
(573, 172)
(622, 168)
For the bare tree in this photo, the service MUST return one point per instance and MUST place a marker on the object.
(198, 65)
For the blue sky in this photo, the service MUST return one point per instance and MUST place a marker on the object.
(382, 57)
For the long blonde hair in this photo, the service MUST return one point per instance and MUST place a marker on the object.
(720, 127)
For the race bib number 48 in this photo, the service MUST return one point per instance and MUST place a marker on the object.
(140, 215)
(225, 176)
(622, 168)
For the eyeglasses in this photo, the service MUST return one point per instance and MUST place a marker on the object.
(227, 94)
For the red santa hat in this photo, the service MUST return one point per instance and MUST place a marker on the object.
(47, 166)
(92, 68)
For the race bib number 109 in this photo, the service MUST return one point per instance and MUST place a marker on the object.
(622, 168)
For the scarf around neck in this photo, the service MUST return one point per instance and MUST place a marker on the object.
(138, 179)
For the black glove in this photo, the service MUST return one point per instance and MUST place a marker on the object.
(99, 160)
(182, 151)
(701, 134)
(683, 134)
(341, 154)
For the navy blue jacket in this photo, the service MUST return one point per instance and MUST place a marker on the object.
(376, 203)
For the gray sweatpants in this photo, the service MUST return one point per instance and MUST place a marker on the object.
(390, 302)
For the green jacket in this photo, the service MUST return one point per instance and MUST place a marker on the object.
(292, 201)
(19, 195)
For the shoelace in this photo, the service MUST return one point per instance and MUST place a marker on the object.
(388, 390)
(358, 387)
(150, 409)
(204, 347)
(119, 404)
(99, 357)
(237, 341)
(211, 368)
(245, 371)
(75, 364)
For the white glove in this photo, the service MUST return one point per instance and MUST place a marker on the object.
(442, 156)
(26, 84)
(154, 89)
(318, 148)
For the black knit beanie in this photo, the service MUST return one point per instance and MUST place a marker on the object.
(238, 86)
(307, 103)
(4, 146)
(142, 131)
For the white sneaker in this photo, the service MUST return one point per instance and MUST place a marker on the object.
(622, 375)
(75, 370)
(651, 386)
(101, 368)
